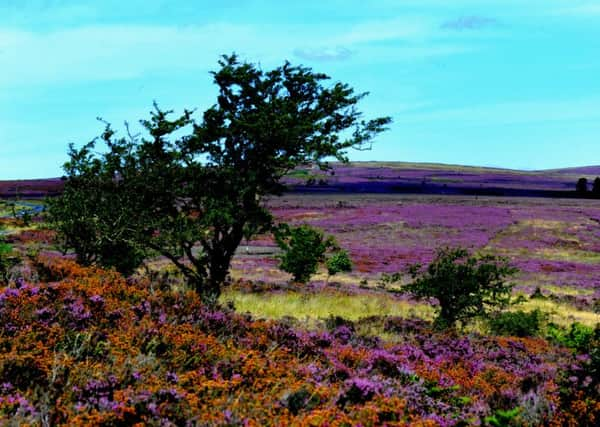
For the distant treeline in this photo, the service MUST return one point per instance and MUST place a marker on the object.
(582, 188)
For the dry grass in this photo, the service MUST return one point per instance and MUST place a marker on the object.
(324, 305)
(572, 255)
(561, 314)
(568, 290)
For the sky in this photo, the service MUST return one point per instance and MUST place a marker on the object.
(501, 83)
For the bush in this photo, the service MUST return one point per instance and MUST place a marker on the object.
(339, 262)
(464, 285)
(8, 259)
(303, 249)
(577, 337)
(517, 323)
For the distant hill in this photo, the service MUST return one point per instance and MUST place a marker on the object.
(431, 178)
(31, 187)
(588, 171)
(392, 177)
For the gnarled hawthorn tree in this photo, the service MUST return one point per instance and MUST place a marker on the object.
(193, 189)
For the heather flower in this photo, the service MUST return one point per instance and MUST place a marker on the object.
(97, 299)
(343, 333)
(172, 377)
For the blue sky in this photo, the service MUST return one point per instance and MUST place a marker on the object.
(500, 82)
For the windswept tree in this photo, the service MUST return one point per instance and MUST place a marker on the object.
(192, 189)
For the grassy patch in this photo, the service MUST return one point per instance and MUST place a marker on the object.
(444, 180)
(568, 290)
(324, 305)
(561, 314)
(561, 254)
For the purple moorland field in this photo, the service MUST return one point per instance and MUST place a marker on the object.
(554, 242)
(87, 346)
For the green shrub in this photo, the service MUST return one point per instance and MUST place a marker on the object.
(303, 248)
(577, 337)
(465, 286)
(504, 418)
(517, 323)
(339, 262)
(8, 259)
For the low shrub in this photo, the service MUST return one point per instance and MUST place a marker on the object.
(517, 323)
(577, 337)
(465, 285)
(339, 262)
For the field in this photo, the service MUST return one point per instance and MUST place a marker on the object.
(554, 243)
(85, 346)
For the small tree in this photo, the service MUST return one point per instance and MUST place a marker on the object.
(303, 248)
(464, 285)
(582, 186)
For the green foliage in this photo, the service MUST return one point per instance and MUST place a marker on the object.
(465, 286)
(303, 248)
(94, 215)
(192, 189)
(518, 323)
(8, 259)
(577, 337)
(339, 262)
(504, 418)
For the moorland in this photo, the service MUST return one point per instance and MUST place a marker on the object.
(90, 346)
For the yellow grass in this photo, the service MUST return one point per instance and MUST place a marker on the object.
(567, 290)
(324, 305)
(561, 314)
(561, 254)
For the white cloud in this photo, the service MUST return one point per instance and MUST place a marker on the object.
(110, 52)
(324, 54)
(406, 28)
(470, 22)
(583, 10)
(512, 113)
(113, 52)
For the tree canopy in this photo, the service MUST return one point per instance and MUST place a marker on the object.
(190, 189)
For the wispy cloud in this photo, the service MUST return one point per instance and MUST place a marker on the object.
(116, 52)
(324, 54)
(113, 52)
(408, 38)
(403, 29)
(581, 10)
(512, 113)
(470, 22)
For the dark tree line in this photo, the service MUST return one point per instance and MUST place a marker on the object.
(582, 188)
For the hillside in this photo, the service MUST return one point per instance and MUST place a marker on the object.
(393, 177)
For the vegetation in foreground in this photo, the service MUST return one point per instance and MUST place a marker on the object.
(85, 346)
